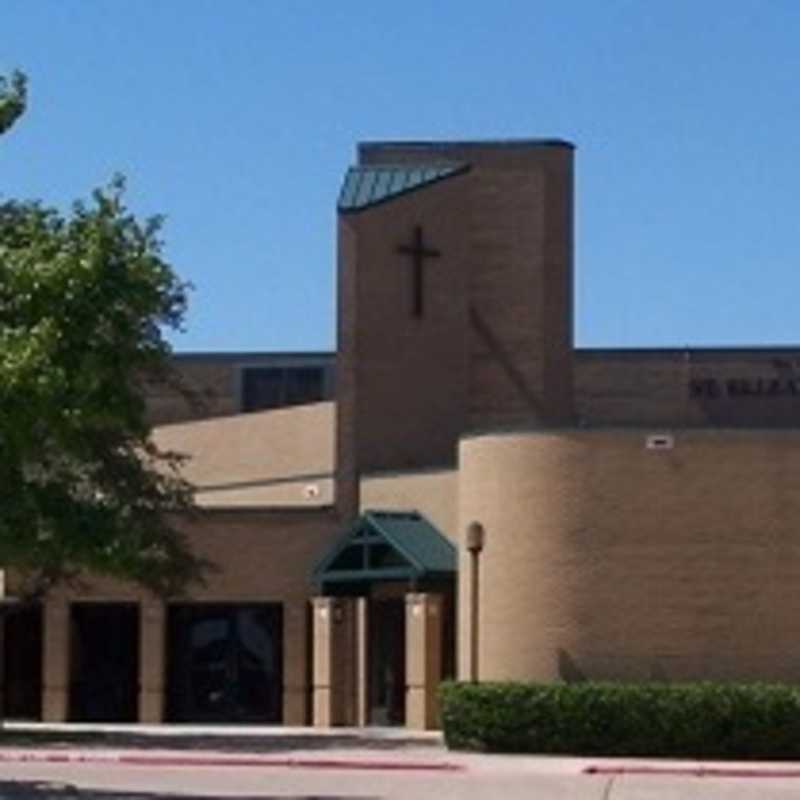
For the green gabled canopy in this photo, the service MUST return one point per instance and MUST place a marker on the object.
(369, 185)
(388, 546)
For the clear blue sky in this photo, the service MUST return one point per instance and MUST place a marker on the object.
(237, 119)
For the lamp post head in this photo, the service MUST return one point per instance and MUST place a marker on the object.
(476, 537)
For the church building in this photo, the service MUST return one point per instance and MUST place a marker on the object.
(457, 491)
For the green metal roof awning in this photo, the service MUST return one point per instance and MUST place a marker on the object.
(388, 546)
(367, 186)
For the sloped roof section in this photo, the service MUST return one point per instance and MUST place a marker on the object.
(369, 185)
(413, 535)
(388, 546)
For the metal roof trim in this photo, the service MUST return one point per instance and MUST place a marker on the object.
(371, 519)
(420, 519)
(450, 144)
(350, 202)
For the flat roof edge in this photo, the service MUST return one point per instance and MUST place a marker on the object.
(683, 351)
(433, 144)
(633, 429)
(262, 510)
(188, 355)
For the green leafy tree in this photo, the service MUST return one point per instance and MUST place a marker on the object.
(13, 97)
(84, 300)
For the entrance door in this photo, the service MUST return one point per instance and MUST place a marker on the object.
(225, 663)
(387, 690)
(22, 663)
(104, 669)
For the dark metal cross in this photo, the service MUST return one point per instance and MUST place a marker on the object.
(418, 252)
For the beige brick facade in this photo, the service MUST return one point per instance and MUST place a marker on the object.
(432, 492)
(210, 385)
(622, 562)
(261, 556)
(639, 506)
(717, 387)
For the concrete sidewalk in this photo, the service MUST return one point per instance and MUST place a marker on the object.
(224, 745)
(375, 749)
(357, 759)
(347, 760)
(255, 739)
(391, 736)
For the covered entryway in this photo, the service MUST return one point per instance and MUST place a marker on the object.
(225, 663)
(384, 622)
(104, 662)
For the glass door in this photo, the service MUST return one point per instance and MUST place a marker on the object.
(225, 663)
(104, 662)
(387, 649)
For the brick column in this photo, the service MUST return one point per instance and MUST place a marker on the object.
(295, 655)
(362, 662)
(423, 660)
(152, 662)
(55, 667)
(334, 659)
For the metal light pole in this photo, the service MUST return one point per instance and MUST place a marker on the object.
(476, 536)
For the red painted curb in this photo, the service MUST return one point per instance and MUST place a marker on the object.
(224, 761)
(305, 763)
(431, 766)
(696, 772)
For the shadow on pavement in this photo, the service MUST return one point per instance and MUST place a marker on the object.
(227, 743)
(51, 790)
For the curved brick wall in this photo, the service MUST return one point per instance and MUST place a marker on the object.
(607, 560)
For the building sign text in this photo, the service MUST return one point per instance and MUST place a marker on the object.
(735, 388)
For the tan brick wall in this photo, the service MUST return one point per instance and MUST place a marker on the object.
(520, 338)
(55, 661)
(431, 493)
(152, 661)
(214, 387)
(655, 387)
(516, 214)
(346, 364)
(336, 634)
(423, 623)
(268, 458)
(408, 374)
(307, 491)
(610, 561)
(495, 343)
(262, 556)
(213, 381)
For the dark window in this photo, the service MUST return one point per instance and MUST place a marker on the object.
(274, 387)
(22, 658)
(262, 388)
(303, 385)
(104, 656)
(225, 663)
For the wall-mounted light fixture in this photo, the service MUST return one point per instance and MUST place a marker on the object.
(659, 441)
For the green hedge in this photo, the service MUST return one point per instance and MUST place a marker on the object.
(695, 720)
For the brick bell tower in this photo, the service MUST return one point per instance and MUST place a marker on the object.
(455, 264)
